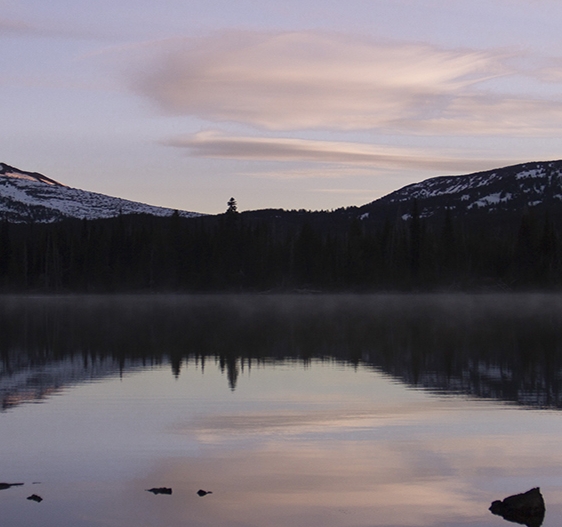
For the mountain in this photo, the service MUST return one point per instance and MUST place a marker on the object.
(499, 195)
(503, 232)
(502, 193)
(27, 197)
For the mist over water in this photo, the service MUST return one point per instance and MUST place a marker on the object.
(507, 347)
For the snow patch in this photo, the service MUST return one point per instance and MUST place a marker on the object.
(536, 173)
(491, 199)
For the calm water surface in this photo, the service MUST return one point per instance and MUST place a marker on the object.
(302, 411)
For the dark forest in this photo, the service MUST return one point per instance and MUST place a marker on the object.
(287, 252)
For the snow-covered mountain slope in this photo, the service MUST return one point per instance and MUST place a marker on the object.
(507, 191)
(31, 197)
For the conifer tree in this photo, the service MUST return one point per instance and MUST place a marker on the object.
(232, 206)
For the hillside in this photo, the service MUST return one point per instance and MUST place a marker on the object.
(496, 230)
(30, 197)
(501, 194)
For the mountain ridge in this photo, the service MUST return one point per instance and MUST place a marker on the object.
(28, 197)
(501, 193)
(505, 191)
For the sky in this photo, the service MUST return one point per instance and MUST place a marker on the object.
(294, 104)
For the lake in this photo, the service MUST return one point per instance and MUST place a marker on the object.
(304, 410)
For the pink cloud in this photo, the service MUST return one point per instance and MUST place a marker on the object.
(309, 80)
(217, 145)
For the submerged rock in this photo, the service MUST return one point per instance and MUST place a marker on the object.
(202, 492)
(35, 497)
(4, 486)
(160, 490)
(527, 508)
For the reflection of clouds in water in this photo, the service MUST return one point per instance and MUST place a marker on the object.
(534, 452)
(417, 482)
(420, 465)
(224, 427)
(316, 485)
(425, 464)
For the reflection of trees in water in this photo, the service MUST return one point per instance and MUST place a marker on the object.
(504, 347)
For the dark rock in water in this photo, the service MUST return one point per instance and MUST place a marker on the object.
(36, 498)
(160, 490)
(4, 486)
(527, 508)
(202, 492)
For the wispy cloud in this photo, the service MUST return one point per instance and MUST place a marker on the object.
(493, 114)
(330, 81)
(313, 80)
(217, 145)
(348, 191)
(13, 27)
(315, 171)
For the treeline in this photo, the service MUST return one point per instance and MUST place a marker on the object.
(236, 252)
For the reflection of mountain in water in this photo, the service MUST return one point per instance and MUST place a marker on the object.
(37, 380)
(504, 347)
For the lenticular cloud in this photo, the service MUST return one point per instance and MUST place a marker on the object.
(218, 145)
(309, 80)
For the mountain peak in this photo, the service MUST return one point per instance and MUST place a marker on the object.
(12, 172)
